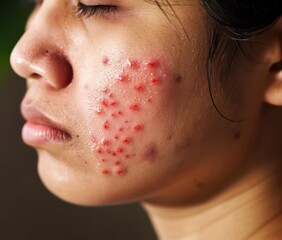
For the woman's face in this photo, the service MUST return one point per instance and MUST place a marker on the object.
(117, 102)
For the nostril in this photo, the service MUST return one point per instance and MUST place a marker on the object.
(35, 76)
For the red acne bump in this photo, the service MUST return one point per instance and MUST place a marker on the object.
(106, 125)
(139, 88)
(114, 154)
(105, 60)
(106, 142)
(138, 128)
(106, 172)
(105, 90)
(118, 163)
(149, 100)
(114, 115)
(105, 103)
(133, 64)
(127, 156)
(100, 151)
(111, 95)
(120, 150)
(104, 160)
(120, 129)
(100, 111)
(126, 121)
(127, 140)
(120, 113)
(155, 81)
(122, 78)
(121, 172)
(135, 107)
(109, 151)
(152, 64)
(117, 137)
(114, 103)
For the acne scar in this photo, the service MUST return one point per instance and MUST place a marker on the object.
(237, 135)
(151, 153)
(105, 172)
(178, 79)
(121, 127)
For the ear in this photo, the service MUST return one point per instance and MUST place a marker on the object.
(273, 91)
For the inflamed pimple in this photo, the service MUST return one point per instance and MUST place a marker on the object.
(138, 128)
(152, 64)
(114, 115)
(105, 60)
(133, 64)
(135, 107)
(127, 140)
(155, 81)
(105, 103)
(100, 151)
(140, 88)
(120, 150)
(122, 78)
(118, 163)
(121, 172)
(106, 125)
(100, 111)
(106, 142)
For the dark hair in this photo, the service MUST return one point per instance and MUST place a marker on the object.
(235, 21)
(243, 19)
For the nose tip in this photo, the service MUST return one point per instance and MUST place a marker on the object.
(34, 60)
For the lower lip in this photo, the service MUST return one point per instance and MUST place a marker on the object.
(40, 134)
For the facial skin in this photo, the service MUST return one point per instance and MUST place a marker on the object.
(129, 93)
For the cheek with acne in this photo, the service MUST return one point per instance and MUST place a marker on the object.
(120, 112)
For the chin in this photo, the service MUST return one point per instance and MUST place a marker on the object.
(83, 188)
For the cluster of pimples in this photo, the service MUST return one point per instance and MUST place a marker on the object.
(119, 119)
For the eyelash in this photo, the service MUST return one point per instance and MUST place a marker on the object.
(96, 10)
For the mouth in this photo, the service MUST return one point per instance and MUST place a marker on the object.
(39, 129)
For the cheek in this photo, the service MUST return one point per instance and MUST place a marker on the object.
(127, 113)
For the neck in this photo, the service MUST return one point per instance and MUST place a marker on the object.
(240, 213)
(249, 208)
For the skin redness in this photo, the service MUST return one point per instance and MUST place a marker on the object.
(121, 120)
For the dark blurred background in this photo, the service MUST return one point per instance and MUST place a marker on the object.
(27, 210)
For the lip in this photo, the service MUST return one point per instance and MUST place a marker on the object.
(40, 129)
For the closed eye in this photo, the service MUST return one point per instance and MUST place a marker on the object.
(95, 10)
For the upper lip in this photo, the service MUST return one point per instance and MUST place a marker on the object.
(34, 115)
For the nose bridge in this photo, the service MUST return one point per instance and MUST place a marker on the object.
(41, 53)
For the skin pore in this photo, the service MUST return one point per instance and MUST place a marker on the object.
(129, 117)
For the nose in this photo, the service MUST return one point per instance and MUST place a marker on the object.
(38, 56)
